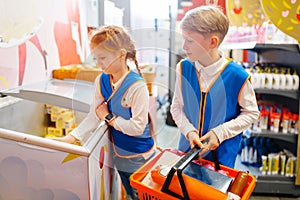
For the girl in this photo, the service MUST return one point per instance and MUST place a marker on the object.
(122, 100)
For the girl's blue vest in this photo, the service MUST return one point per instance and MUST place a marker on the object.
(124, 145)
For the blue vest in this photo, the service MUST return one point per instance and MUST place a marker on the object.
(124, 145)
(218, 105)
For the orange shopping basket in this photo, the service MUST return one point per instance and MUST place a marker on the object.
(178, 185)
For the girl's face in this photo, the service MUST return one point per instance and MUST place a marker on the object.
(195, 45)
(108, 61)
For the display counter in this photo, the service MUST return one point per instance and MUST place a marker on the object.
(35, 167)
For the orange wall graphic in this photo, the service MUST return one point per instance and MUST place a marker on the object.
(65, 33)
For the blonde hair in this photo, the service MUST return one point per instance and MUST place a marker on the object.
(114, 38)
(205, 20)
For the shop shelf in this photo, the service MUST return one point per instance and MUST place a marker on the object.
(288, 55)
(288, 137)
(259, 47)
(270, 184)
(276, 184)
(293, 94)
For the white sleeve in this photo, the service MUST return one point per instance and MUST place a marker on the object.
(249, 114)
(176, 110)
(91, 121)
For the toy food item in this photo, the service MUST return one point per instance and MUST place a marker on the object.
(239, 183)
(196, 189)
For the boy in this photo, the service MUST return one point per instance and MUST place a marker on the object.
(214, 101)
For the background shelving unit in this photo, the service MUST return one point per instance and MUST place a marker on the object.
(288, 55)
(292, 138)
(285, 93)
(259, 48)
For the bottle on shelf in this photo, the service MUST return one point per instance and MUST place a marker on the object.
(276, 79)
(282, 79)
(289, 80)
(295, 80)
(270, 32)
(268, 78)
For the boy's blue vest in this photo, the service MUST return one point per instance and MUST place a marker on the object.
(218, 105)
(124, 145)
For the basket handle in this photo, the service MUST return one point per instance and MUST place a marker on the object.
(179, 167)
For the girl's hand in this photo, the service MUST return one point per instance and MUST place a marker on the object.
(102, 111)
(67, 139)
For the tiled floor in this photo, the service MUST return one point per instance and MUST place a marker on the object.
(168, 137)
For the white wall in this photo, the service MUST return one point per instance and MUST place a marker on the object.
(153, 38)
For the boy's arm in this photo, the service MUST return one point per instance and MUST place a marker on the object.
(176, 110)
(249, 114)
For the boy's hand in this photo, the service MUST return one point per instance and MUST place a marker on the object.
(210, 140)
(194, 139)
(207, 142)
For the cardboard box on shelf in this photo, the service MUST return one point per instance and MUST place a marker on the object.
(88, 75)
(77, 72)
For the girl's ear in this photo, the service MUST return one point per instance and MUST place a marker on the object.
(123, 52)
(214, 41)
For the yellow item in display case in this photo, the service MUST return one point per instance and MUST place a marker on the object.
(54, 117)
(62, 121)
(54, 132)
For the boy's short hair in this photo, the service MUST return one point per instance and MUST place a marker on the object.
(206, 19)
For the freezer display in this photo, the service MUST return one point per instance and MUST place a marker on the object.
(35, 167)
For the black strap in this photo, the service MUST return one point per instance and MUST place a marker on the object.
(214, 154)
(179, 167)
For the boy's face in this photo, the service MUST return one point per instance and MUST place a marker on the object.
(196, 45)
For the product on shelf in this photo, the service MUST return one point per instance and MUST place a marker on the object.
(271, 76)
(262, 152)
(273, 163)
(266, 33)
(276, 118)
(264, 166)
(290, 166)
(282, 163)
(285, 123)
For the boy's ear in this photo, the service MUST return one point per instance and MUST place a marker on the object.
(214, 41)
